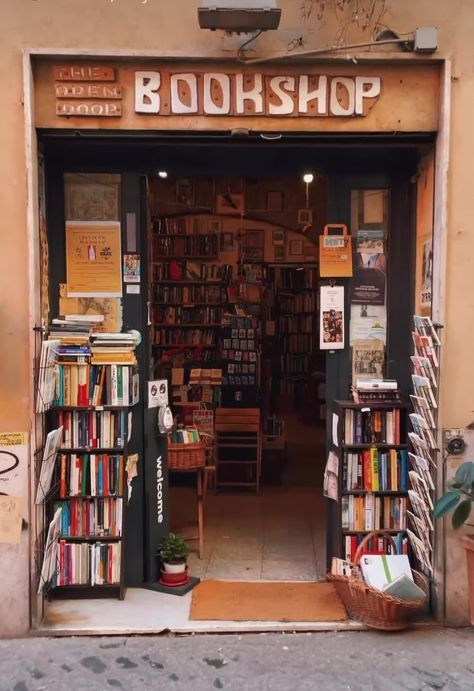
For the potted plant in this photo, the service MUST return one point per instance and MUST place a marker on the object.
(458, 499)
(172, 552)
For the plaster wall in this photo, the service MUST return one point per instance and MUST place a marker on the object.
(170, 28)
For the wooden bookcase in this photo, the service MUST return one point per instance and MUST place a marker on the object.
(373, 474)
(93, 511)
(296, 316)
(188, 299)
(81, 489)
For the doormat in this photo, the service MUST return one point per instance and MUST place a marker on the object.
(266, 601)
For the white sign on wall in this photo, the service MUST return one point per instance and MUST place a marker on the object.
(220, 93)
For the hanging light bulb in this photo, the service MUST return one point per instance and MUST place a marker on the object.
(162, 174)
(308, 179)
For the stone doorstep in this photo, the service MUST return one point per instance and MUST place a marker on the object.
(223, 627)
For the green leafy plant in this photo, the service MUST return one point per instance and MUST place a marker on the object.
(459, 497)
(173, 549)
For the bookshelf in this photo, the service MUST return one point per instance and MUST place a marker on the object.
(189, 296)
(296, 317)
(82, 478)
(373, 474)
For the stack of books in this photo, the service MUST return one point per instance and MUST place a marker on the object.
(188, 435)
(376, 391)
(114, 348)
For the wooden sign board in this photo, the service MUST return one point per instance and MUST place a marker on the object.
(79, 91)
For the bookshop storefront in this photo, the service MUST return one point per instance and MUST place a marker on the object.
(202, 194)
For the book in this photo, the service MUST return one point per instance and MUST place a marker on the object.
(404, 588)
(379, 570)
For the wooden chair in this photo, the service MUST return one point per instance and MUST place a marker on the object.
(238, 448)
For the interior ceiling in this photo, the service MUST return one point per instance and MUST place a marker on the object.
(197, 154)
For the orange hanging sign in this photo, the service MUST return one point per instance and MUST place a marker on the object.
(335, 251)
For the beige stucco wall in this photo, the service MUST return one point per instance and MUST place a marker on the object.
(167, 27)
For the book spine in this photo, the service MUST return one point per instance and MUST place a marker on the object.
(63, 473)
(375, 469)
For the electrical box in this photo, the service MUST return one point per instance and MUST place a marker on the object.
(426, 39)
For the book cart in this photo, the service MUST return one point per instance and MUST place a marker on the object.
(81, 488)
(373, 476)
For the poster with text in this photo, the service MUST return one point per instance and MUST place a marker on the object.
(331, 331)
(368, 286)
(426, 273)
(131, 268)
(368, 321)
(14, 461)
(367, 360)
(93, 259)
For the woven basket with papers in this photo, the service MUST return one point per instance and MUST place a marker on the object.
(372, 606)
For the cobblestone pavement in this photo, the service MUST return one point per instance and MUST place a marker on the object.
(415, 660)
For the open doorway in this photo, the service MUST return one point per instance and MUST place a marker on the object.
(235, 327)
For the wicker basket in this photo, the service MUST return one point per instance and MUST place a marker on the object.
(374, 607)
(186, 456)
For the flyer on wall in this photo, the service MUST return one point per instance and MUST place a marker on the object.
(367, 359)
(93, 259)
(331, 331)
(368, 286)
(368, 321)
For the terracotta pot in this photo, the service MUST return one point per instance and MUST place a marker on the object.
(174, 578)
(468, 544)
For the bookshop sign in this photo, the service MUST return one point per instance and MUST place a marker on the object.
(221, 93)
(171, 95)
(92, 91)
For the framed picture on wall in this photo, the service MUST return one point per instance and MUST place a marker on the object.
(214, 225)
(253, 245)
(184, 192)
(296, 247)
(279, 252)
(305, 216)
(274, 201)
(278, 237)
(226, 242)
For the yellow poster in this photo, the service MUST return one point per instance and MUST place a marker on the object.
(93, 259)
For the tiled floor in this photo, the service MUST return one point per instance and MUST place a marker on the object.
(276, 535)
(279, 534)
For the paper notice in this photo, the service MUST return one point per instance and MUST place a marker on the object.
(131, 469)
(335, 422)
(10, 520)
(331, 473)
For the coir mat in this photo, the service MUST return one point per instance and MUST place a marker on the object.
(266, 601)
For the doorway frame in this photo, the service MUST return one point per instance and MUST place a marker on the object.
(440, 229)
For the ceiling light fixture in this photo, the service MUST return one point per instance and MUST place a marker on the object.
(162, 174)
(239, 16)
